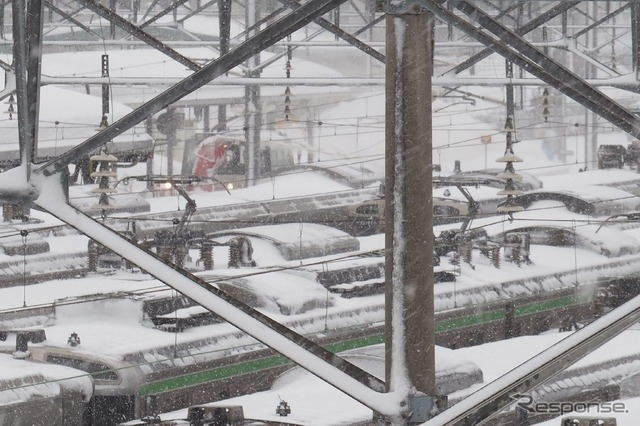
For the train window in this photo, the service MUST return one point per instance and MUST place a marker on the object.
(98, 371)
(369, 209)
(440, 210)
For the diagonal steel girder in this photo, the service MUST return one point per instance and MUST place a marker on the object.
(266, 38)
(150, 8)
(196, 11)
(602, 20)
(478, 408)
(334, 29)
(71, 19)
(536, 22)
(135, 31)
(35, 18)
(172, 7)
(522, 53)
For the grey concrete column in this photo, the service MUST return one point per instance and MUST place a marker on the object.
(410, 330)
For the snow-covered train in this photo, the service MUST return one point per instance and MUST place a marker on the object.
(225, 158)
(195, 370)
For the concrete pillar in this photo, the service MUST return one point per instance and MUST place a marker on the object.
(410, 334)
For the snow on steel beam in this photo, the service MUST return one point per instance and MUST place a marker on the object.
(71, 19)
(602, 20)
(539, 20)
(196, 11)
(164, 12)
(334, 29)
(622, 83)
(138, 33)
(514, 48)
(489, 400)
(293, 21)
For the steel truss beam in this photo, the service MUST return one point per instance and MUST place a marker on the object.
(602, 20)
(523, 54)
(334, 29)
(558, 9)
(135, 31)
(197, 10)
(259, 23)
(150, 8)
(71, 19)
(171, 8)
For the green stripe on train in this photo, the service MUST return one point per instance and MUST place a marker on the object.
(174, 383)
(212, 375)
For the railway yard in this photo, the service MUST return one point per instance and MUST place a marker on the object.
(214, 213)
(149, 350)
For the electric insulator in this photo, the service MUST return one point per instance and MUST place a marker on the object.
(234, 254)
(165, 252)
(7, 212)
(287, 97)
(465, 249)
(104, 171)
(545, 104)
(92, 254)
(509, 157)
(510, 189)
(11, 109)
(180, 255)
(495, 257)
(509, 206)
(515, 256)
(509, 173)
(206, 255)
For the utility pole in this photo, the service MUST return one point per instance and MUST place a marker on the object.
(410, 334)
